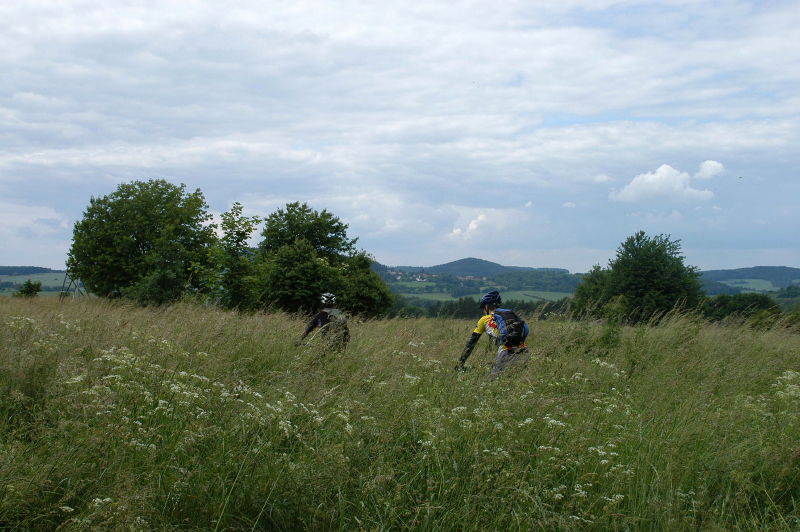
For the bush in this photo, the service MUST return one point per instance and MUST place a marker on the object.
(29, 289)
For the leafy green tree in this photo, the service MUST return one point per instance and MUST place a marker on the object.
(227, 279)
(744, 305)
(29, 289)
(789, 291)
(362, 291)
(306, 253)
(593, 292)
(649, 272)
(294, 276)
(141, 240)
(324, 231)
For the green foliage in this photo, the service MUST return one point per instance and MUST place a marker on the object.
(140, 241)
(545, 280)
(648, 272)
(306, 253)
(592, 292)
(150, 242)
(293, 276)
(227, 278)
(617, 309)
(789, 291)
(324, 231)
(29, 289)
(743, 305)
(361, 290)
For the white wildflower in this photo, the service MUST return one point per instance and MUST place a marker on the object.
(100, 502)
(554, 422)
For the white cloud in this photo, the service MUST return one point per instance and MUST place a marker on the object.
(568, 205)
(528, 204)
(487, 226)
(665, 183)
(33, 220)
(601, 178)
(709, 169)
(471, 229)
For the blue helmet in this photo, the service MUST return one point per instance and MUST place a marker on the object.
(491, 298)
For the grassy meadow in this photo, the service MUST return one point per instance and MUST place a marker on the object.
(122, 418)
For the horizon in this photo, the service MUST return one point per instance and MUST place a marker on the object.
(466, 258)
(541, 133)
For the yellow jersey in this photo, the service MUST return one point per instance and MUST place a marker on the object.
(487, 325)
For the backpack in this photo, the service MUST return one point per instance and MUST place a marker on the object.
(336, 319)
(511, 329)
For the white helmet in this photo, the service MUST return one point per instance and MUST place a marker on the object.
(327, 298)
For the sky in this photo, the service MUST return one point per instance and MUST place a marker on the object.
(530, 133)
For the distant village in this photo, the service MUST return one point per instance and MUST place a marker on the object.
(422, 276)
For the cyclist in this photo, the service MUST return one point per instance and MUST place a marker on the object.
(331, 321)
(507, 330)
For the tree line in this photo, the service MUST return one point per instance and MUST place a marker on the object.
(154, 242)
(646, 280)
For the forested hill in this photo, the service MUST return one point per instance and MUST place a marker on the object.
(26, 270)
(472, 267)
(779, 276)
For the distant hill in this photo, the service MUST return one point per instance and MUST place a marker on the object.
(472, 267)
(26, 270)
(778, 276)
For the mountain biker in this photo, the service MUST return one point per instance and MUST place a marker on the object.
(506, 329)
(332, 323)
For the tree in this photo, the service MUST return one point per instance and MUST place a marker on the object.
(29, 289)
(141, 240)
(324, 231)
(227, 279)
(293, 277)
(744, 305)
(362, 289)
(592, 292)
(648, 272)
(306, 253)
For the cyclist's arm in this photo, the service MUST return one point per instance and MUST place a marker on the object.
(316, 321)
(473, 340)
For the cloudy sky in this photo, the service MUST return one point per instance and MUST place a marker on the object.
(535, 133)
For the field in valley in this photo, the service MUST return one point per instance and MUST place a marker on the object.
(508, 295)
(191, 418)
(47, 279)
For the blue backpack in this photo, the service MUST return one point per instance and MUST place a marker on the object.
(511, 329)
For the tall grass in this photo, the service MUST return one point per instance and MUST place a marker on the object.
(118, 417)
